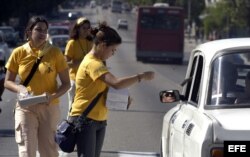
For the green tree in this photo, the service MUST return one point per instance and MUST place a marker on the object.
(230, 18)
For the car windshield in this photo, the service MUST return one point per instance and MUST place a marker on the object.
(157, 21)
(230, 80)
(7, 30)
(123, 21)
(58, 31)
(60, 42)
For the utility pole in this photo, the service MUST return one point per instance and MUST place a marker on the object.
(189, 11)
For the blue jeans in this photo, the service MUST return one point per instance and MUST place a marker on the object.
(90, 139)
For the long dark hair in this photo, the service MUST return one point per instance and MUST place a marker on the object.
(75, 31)
(106, 34)
(31, 24)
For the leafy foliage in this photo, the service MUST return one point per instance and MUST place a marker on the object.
(196, 9)
(230, 18)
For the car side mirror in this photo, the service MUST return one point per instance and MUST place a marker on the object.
(169, 96)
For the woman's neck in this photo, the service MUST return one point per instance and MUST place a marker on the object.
(36, 45)
(82, 37)
(95, 53)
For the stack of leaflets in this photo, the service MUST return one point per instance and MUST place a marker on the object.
(33, 100)
(117, 99)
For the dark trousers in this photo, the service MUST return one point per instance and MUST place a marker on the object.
(90, 138)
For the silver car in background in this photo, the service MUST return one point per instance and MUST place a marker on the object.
(59, 41)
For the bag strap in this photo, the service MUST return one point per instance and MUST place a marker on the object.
(32, 72)
(80, 119)
(91, 105)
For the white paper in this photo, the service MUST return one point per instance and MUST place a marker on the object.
(117, 99)
(33, 100)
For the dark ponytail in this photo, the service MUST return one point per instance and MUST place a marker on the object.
(106, 34)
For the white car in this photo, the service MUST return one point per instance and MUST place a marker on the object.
(58, 30)
(59, 41)
(122, 24)
(213, 109)
(10, 35)
(4, 49)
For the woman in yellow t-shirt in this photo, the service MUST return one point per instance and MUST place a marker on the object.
(35, 125)
(78, 46)
(93, 77)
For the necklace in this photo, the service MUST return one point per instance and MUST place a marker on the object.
(84, 52)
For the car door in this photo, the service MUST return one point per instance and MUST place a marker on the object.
(181, 119)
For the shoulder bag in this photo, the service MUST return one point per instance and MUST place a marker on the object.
(66, 131)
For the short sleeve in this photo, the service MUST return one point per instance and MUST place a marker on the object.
(12, 63)
(96, 69)
(69, 50)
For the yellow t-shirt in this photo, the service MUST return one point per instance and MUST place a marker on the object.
(88, 86)
(77, 49)
(22, 60)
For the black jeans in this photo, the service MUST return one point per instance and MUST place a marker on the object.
(90, 138)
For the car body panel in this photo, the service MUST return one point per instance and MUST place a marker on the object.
(197, 124)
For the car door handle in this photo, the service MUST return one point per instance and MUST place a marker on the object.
(184, 124)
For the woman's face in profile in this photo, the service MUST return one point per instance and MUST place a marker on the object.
(109, 51)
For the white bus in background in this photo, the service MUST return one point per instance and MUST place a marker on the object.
(116, 6)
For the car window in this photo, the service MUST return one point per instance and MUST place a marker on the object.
(229, 80)
(7, 30)
(58, 31)
(60, 42)
(192, 88)
(168, 22)
(197, 80)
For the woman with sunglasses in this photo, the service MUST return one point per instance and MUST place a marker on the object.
(77, 47)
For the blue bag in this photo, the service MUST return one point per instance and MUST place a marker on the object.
(66, 132)
(66, 136)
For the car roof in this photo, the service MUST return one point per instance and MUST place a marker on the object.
(54, 26)
(122, 20)
(59, 36)
(212, 48)
(6, 27)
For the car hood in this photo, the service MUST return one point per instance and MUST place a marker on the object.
(230, 124)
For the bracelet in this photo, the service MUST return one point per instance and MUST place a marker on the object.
(139, 77)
